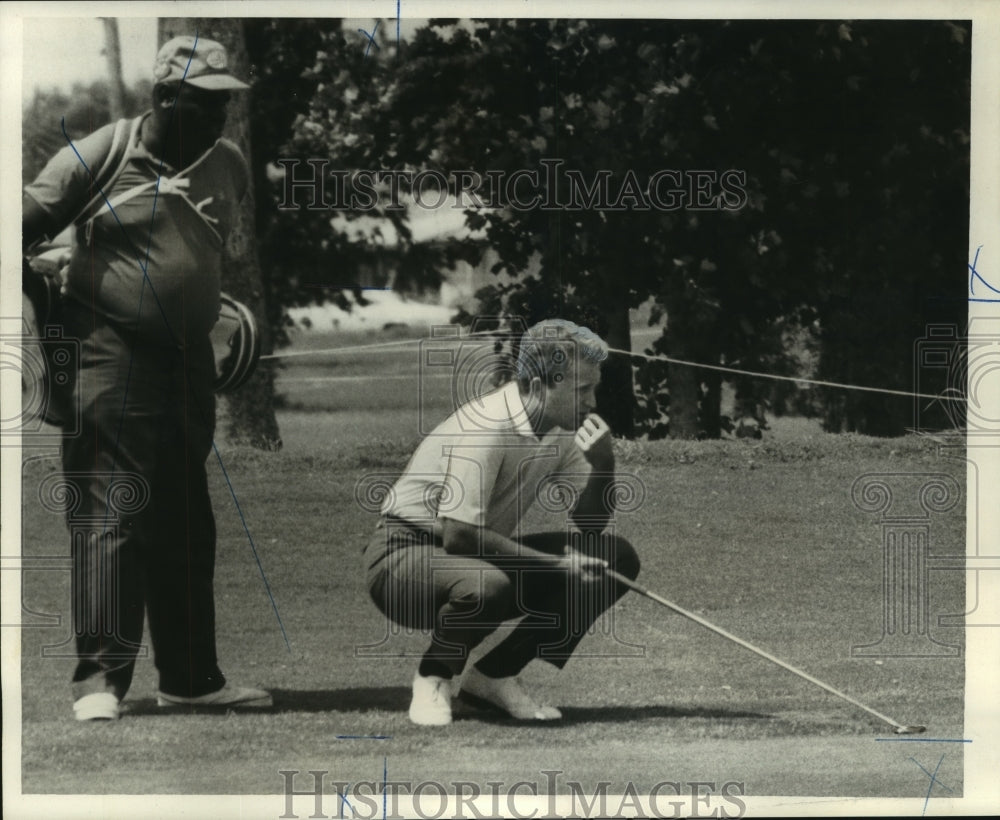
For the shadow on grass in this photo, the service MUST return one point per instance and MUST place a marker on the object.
(358, 699)
(397, 699)
(352, 699)
(574, 715)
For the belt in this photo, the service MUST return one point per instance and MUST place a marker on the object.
(396, 523)
(402, 523)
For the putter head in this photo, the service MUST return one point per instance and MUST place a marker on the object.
(910, 730)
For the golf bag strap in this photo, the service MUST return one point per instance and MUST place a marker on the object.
(125, 134)
(176, 185)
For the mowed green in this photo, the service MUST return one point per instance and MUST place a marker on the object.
(761, 538)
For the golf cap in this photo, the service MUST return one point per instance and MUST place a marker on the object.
(203, 63)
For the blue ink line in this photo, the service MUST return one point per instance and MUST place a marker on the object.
(977, 275)
(371, 37)
(984, 300)
(934, 780)
(128, 239)
(253, 546)
(344, 801)
(385, 790)
(364, 737)
(920, 740)
(398, 4)
(942, 785)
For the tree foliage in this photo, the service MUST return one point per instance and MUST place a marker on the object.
(281, 53)
(850, 219)
(83, 109)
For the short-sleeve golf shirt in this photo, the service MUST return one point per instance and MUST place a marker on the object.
(154, 263)
(485, 466)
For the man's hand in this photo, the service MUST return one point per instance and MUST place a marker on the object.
(586, 567)
(594, 440)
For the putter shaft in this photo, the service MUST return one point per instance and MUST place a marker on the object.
(899, 727)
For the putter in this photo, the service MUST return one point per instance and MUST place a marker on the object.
(898, 728)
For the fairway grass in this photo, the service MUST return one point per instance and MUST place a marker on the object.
(761, 538)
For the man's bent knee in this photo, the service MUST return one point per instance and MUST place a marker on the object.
(486, 594)
(624, 559)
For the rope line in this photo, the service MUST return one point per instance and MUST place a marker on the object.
(802, 379)
(648, 356)
(353, 349)
(375, 345)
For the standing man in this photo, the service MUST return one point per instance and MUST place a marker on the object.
(141, 294)
(448, 555)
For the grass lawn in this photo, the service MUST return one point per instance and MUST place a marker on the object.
(761, 538)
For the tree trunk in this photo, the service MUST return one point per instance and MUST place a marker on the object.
(711, 403)
(685, 391)
(250, 409)
(116, 85)
(683, 381)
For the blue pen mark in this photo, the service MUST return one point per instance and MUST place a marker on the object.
(398, 4)
(385, 790)
(253, 546)
(975, 275)
(371, 38)
(143, 263)
(364, 737)
(138, 255)
(934, 781)
(344, 801)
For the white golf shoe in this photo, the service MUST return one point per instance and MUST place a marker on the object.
(431, 704)
(231, 697)
(506, 694)
(96, 706)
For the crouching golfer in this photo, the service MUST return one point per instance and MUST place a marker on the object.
(448, 554)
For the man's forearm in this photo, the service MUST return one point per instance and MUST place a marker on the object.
(460, 538)
(596, 504)
(36, 224)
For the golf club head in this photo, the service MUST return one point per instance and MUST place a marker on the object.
(910, 730)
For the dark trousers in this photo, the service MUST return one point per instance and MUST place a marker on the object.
(139, 489)
(461, 600)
